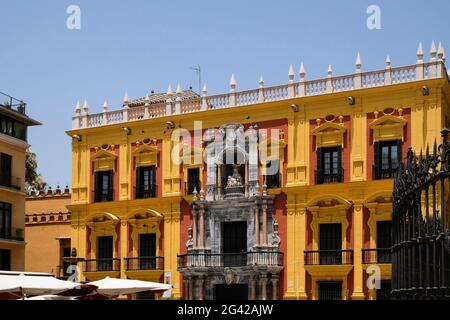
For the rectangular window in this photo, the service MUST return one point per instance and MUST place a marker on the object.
(5, 220)
(105, 253)
(384, 241)
(104, 190)
(5, 260)
(5, 169)
(147, 251)
(330, 290)
(330, 244)
(272, 177)
(388, 155)
(193, 181)
(145, 182)
(329, 165)
(13, 128)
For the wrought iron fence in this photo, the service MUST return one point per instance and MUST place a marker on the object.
(420, 221)
(98, 265)
(12, 103)
(329, 257)
(144, 263)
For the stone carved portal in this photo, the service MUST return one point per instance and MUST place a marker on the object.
(232, 198)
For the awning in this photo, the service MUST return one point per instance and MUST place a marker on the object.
(116, 287)
(34, 285)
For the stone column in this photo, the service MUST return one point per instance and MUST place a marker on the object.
(253, 288)
(358, 238)
(186, 288)
(202, 227)
(123, 245)
(194, 228)
(191, 288)
(201, 289)
(274, 287)
(256, 223)
(264, 218)
(263, 285)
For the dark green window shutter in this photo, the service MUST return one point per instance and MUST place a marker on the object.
(377, 161)
(319, 172)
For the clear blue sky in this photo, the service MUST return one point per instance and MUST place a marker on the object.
(140, 46)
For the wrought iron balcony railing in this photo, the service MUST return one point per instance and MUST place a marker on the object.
(374, 256)
(322, 178)
(140, 193)
(263, 258)
(379, 173)
(144, 263)
(101, 197)
(329, 257)
(99, 265)
(16, 234)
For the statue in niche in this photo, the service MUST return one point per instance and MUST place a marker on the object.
(190, 242)
(236, 178)
(276, 240)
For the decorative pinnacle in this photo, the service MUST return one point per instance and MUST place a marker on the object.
(78, 107)
(302, 70)
(105, 107)
(169, 90)
(194, 194)
(330, 71)
(441, 52)
(433, 51)
(291, 73)
(125, 98)
(85, 106)
(358, 61)
(388, 61)
(147, 99)
(179, 89)
(261, 82)
(232, 81)
(420, 51)
(205, 90)
(202, 194)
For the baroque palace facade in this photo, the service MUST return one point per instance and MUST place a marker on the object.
(275, 193)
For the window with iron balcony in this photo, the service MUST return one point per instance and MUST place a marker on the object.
(145, 182)
(329, 165)
(104, 186)
(388, 155)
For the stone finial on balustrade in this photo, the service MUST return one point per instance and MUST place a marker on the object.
(105, 113)
(204, 100)
(291, 74)
(302, 72)
(85, 107)
(84, 117)
(147, 107)
(301, 88)
(420, 54)
(261, 82)
(419, 63)
(58, 190)
(76, 118)
(388, 62)
(233, 84)
(66, 190)
(169, 100)
(232, 96)
(387, 74)
(358, 63)
(440, 52)
(357, 82)
(433, 51)
(78, 108)
(178, 99)
(126, 99)
(329, 81)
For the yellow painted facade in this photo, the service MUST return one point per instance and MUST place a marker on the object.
(384, 113)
